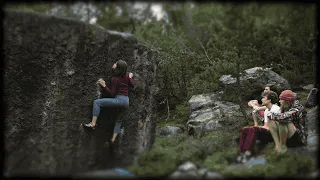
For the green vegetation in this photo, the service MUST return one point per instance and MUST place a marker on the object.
(197, 44)
(178, 117)
(216, 151)
(167, 153)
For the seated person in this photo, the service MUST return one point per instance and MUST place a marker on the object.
(249, 133)
(258, 110)
(288, 127)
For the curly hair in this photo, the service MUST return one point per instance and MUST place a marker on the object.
(271, 95)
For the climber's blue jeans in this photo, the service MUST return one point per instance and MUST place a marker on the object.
(117, 127)
(119, 101)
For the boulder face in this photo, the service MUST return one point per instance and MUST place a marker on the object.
(209, 113)
(196, 171)
(254, 81)
(169, 131)
(312, 98)
(52, 65)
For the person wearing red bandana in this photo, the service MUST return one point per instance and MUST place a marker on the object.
(288, 128)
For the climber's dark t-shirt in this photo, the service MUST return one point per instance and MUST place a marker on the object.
(120, 86)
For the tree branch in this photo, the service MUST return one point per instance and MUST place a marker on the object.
(209, 60)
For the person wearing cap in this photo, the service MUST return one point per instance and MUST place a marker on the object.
(288, 127)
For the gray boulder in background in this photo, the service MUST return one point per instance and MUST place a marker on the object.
(191, 170)
(169, 131)
(312, 98)
(210, 113)
(253, 81)
(308, 87)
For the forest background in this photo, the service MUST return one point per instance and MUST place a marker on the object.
(200, 42)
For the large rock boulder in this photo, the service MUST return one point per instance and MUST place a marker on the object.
(51, 66)
(308, 87)
(312, 98)
(169, 131)
(253, 80)
(210, 113)
(194, 171)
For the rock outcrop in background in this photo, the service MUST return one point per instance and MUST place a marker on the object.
(255, 79)
(210, 113)
(52, 65)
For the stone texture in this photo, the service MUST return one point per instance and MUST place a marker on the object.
(253, 80)
(52, 65)
(209, 113)
(190, 170)
(308, 87)
(312, 98)
(169, 131)
(201, 101)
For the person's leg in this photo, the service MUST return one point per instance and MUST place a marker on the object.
(291, 129)
(255, 119)
(251, 138)
(265, 137)
(243, 138)
(105, 102)
(283, 132)
(274, 130)
(114, 137)
(116, 131)
(286, 131)
(294, 140)
(97, 104)
(257, 116)
(248, 143)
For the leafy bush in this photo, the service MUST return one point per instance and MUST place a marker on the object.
(169, 152)
(178, 117)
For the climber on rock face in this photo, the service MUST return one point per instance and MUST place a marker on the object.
(120, 84)
(115, 111)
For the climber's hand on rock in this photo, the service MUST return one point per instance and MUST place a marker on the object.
(98, 82)
(130, 75)
(102, 82)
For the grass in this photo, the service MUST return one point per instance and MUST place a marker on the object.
(216, 151)
(169, 152)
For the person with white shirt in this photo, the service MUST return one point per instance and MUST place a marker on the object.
(258, 110)
(249, 133)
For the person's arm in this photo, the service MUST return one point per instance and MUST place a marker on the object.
(265, 125)
(259, 108)
(131, 82)
(113, 90)
(289, 115)
(265, 121)
(252, 103)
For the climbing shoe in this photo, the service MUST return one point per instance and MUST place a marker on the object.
(89, 125)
